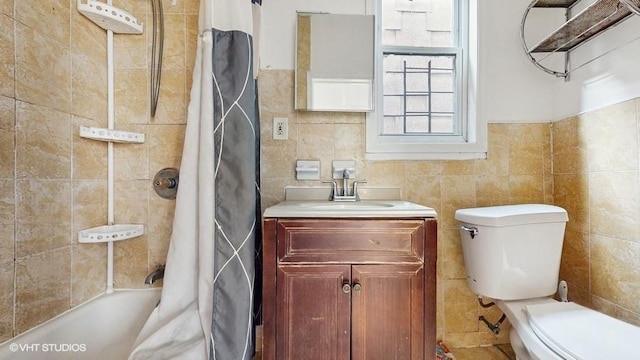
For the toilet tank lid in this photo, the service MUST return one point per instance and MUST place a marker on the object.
(509, 215)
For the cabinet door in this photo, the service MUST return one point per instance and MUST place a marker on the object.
(313, 312)
(388, 312)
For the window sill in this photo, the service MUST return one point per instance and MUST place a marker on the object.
(425, 156)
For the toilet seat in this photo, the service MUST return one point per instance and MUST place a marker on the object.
(576, 332)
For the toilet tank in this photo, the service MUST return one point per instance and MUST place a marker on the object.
(512, 252)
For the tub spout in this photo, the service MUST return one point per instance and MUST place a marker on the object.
(155, 275)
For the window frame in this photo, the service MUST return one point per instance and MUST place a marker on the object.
(471, 143)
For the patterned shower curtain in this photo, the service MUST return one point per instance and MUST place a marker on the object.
(208, 307)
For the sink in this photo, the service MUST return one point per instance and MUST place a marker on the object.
(358, 209)
(355, 205)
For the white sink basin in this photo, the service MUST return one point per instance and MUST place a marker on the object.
(354, 205)
(337, 209)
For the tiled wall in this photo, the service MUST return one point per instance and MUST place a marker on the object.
(53, 78)
(518, 170)
(597, 179)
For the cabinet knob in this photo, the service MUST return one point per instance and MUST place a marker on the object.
(346, 288)
(357, 287)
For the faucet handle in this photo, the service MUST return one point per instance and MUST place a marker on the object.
(334, 191)
(355, 186)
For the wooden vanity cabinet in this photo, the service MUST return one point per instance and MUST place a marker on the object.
(340, 289)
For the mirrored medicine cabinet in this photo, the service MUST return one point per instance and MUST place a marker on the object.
(334, 62)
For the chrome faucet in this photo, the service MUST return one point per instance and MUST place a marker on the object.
(345, 196)
(155, 275)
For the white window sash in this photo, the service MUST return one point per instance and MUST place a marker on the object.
(471, 143)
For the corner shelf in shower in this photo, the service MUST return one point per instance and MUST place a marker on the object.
(110, 17)
(102, 134)
(108, 233)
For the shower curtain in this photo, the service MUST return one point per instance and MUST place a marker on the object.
(207, 304)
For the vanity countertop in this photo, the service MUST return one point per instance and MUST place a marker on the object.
(354, 209)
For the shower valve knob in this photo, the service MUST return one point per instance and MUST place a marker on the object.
(165, 183)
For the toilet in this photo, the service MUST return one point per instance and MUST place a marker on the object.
(512, 255)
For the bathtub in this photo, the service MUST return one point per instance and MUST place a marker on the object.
(102, 328)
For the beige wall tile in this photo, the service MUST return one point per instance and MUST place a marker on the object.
(191, 43)
(615, 271)
(526, 189)
(452, 257)
(425, 190)
(174, 42)
(7, 137)
(574, 267)
(614, 310)
(174, 6)
(7, 220)
(497, 161)
(460, 307)
(131, 201)
(349, 141)
(6, 7)
(43, 69)
(424, 168)
(612, 138)
(89, 68)
(54, 17)
(316, 141)
(43, 215)
(458, 192)
(571, 192)
(132, 96)
(131, 260)
(570, 152)
(134, 7)
(165, 147)
(88, 275)
(276, 91)
(89, 82)
(526, 153)
(613, 206)
(89, 205)
(380, 173)
(282, 160)
(172, 108)
(161, 213)
(127, 52)
(132, 160)
(6, 300)
(492, 190)
(89, 156)
(42, 287)
(191, 7)
(43, 141)
(7, 56)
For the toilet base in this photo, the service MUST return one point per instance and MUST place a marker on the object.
(524, 341)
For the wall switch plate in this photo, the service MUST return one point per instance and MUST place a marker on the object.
(280, 128)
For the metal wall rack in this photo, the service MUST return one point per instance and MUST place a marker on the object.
(593, 20)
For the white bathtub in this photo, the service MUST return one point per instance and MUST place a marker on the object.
(103, 328)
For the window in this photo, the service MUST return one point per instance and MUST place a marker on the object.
(424, 68)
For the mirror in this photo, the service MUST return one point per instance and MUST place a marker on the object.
(334, 62)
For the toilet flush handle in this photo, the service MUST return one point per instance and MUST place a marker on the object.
(472, 231)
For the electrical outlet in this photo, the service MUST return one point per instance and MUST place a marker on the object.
(280, 128)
